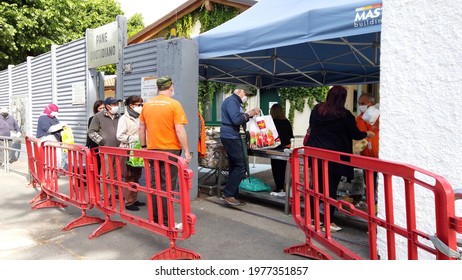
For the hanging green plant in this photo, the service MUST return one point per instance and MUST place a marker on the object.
(207, 91)
(208, 19)
(297, 96)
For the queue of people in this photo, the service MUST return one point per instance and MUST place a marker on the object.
(159, 124)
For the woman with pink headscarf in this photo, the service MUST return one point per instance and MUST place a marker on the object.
(48, 127)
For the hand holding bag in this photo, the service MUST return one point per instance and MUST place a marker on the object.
(135, 161)
(263, 133)
(66, 135)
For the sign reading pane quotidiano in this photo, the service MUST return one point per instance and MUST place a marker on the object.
(103, 45)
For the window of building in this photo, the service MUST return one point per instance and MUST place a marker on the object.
(212, 112)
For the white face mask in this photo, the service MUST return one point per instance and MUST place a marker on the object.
(173, 92)
(114, 110)
(244, 99)
(362, 108)
(137, 109)
(54, 114)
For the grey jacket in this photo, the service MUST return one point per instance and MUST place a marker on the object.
(8, 124)
(103, 129)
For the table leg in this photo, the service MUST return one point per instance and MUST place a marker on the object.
(287, 187)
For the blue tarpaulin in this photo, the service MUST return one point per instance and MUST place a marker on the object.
(287, 43)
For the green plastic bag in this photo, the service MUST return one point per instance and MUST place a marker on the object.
(254, 185)
(135, 161)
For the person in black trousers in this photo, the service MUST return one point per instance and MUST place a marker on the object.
(333, 127)
(285, 131)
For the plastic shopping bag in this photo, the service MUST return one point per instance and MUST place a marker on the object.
(66, 135)
(254, 185)
(263, 133)
(135, 161)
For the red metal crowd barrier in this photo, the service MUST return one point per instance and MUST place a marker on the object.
(78, 183)
(72, 184)
(174, 197)
(308, 194)
(34, 161)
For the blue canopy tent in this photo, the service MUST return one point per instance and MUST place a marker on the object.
(295, 43)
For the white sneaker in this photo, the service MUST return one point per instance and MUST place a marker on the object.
(179, 226)
(278, 194)
(333, 228)
(281, 194)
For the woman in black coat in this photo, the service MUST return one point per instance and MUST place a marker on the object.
(333, 127)
(284, 129)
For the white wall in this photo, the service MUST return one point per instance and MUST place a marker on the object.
(421, 97)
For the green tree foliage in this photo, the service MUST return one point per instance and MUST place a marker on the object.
(30, 27)
(134, 24)
(299, 96)
(208, 19)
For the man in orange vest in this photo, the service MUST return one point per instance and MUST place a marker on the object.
(162, 128)
(365, 101)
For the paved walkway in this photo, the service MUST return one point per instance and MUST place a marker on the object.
(256, 231)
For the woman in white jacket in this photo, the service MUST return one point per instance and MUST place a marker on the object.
(127, 134)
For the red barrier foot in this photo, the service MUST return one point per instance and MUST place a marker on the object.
(308, 251)
(83, 220)
(34, 183)
(176, 253)
(41, 196)
(49, 203)
(107, 226)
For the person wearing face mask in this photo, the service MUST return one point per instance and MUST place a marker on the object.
(232, 118)
(8, 128)
(49, 128)
(103, 129)
(162, 128)
(103, 126)
(12, 128)
(365, 101)
(127, 134)
(98, 106)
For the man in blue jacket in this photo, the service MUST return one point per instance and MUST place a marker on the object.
(232, 117)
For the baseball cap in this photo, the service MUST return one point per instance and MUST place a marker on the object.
(244, 88)
(164, 82)
(111, 100)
